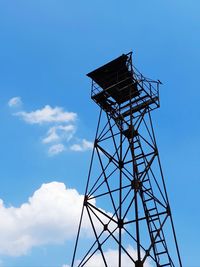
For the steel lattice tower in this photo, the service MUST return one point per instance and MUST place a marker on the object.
(126, 202)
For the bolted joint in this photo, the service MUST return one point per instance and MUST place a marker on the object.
(121, 164)
(156, 151)
(110, 159)
(136, 184)
(168, 210)
(138, 263)
(130, 133)
(99, 246)
(147, 252)
(86, 200)
(120, 223)
(105, 227)
(95, 142)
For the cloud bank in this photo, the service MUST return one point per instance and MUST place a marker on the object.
(50, 216)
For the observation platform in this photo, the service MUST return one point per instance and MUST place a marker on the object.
(117, 87)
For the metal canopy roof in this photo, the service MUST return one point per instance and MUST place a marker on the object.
(111, 73)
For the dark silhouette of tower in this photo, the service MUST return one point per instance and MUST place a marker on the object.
(126, 202)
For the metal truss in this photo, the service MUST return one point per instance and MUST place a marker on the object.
(126, 202)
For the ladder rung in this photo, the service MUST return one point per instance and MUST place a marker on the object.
(159, 241)
(143, 162)
(153, 231)
(136, 147)
(146, 200)
(140, 156)
(166, 264)
(151, 209)
(154, 219)
(162, 252)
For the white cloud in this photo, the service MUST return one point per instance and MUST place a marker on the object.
(56, 149)
(49, 217)
(52, 136)
(61, 129)
(15, 102)
(47, 115)
(58, 133)
(111, 256)
(83, 146)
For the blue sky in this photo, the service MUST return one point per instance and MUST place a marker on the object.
(46, 49)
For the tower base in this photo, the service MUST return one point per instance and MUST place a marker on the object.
(138, 264)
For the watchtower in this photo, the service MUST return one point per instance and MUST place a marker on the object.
(126, 202)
